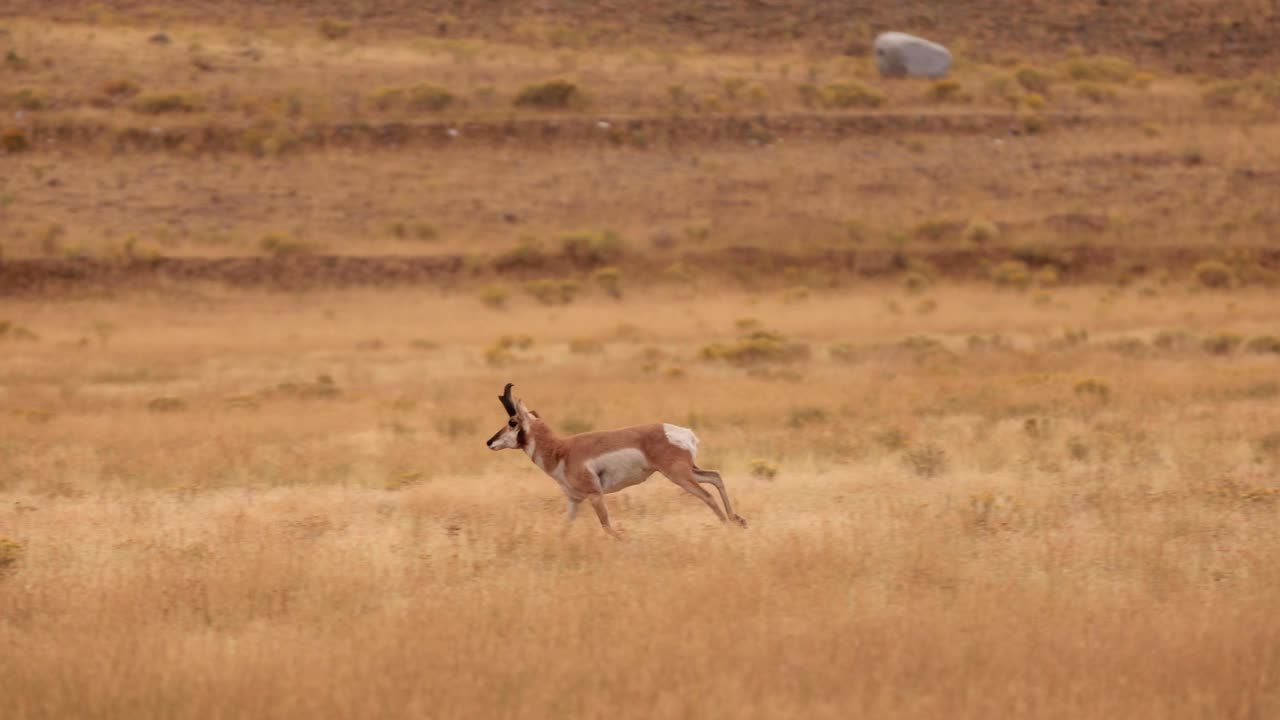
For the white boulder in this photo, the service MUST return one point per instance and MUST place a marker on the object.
(899, 54)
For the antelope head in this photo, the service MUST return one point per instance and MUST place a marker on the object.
(512, 435)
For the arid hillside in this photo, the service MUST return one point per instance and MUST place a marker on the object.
(1213, 36)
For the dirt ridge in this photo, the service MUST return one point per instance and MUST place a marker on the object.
(37, 277)
(637, 131)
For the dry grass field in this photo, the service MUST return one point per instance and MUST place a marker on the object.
(992, 367)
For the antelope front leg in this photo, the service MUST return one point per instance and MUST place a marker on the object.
(602, 512)
(571, 512)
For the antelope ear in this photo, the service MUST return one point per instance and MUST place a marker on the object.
(522, 412)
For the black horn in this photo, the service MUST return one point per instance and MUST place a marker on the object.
(507, 402)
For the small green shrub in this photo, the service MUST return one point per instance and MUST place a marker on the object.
(1256, 274)
(334, 29)
(167, 404)
(495, 296)
(160, 104)
(935, 229)
(980, 231)
(1011, 273)
(1129, 347)
(387, 98)
(280, 246)
(803, 416)
(552, 292)
(498, 355)
(915, 281)
(526, 255)
(1173, 340)
(764, 469)
(795, 294)
(1093, 388)
(586, 346)
(428, 98)
(947, 90)
(420, 98)
(593, 249)
(1077, 448)
(1100, 69)
(1033, 79)
(1263, 344)
(609, 279)
(13, 140)
(14, 61)
(12, 331)
(851, 95)
(1095, 92)
(1214, 274)
(121, 88)
(891, 438)
(844, 352)
(760, 346)
(26, 99)
(1221, 343)
(10, 554)
(550, 95)
(926, 461)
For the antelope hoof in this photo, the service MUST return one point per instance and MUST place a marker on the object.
(740, 520)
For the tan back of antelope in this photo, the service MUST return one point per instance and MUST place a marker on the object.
(591, 465)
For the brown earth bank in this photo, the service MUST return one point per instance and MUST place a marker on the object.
(750, 266)
(607, 129)
(1210, 36)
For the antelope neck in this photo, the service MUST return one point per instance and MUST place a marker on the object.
(542, 446)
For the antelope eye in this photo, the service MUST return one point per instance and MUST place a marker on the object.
(512, 423)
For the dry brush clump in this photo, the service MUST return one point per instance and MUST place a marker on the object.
(757, 346)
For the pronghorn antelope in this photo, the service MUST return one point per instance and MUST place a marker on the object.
(591, 465)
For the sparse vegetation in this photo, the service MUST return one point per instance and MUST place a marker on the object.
(764, 469)
(10, 553)
(1011, 273)
(949, 90)
(586, 346)
(848, 95)
(1214, 274)
(495, 296)
(609, 279)
(926, 460)
(13, 140)
(164, 103)
(759, 346)
(1093, 388)
(281, 246)
(333, 29)
(1100, 69)
(1263, 344)
(1221, 343)
(550, 95)
(1034, 79)
(553, 292)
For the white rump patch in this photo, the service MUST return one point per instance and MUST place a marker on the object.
(681, 437)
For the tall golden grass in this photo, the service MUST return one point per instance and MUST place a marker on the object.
(1012, 520)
